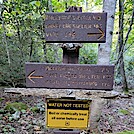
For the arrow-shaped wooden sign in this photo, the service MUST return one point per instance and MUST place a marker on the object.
(72, 76)
(75, 27)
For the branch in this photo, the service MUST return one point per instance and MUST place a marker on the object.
(4, 35)
(128, 47)
(126, 39)
(130, 28)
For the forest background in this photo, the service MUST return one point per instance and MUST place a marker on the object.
(22, 39)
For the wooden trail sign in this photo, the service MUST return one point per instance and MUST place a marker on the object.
(75, 27)
(72, 76)
(67, 113)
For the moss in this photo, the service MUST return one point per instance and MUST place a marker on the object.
(16, 106)
(126, 132)
(2, 111)
(124, 111)
(35, 109)
(1, 99)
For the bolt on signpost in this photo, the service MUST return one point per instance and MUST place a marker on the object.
(75, 27)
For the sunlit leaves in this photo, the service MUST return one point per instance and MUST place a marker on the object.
(1, 1)
(36, 3)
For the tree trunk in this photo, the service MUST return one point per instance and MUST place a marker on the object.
(86, 5)
(121, 45)
(104, 49)
(50, 6)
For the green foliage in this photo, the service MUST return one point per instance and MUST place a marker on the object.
(88, 54)
(8, 129)
(1, 99)
(124, 111)
(2, 111)
(35, 109)
(129, 68)
(98, 2)
(22, 38)
(38, 108)
(16, 106)
(126, 132)
(128, 49)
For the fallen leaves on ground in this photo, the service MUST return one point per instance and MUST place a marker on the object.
(20, 114)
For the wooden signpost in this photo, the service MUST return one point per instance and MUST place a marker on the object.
(75, 27)
(72, 26)
(74, 76)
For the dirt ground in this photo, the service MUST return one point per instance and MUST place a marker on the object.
(117, 114)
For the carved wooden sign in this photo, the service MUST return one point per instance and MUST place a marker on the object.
(72, 76)
(75, 27)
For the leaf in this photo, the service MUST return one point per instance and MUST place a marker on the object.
(12, 129)
(14, 13)
(35, 109)
(1, 99)
(32, 3)
(36, 16)
(9, 34)
(124, 111)
(37, 3)
(16, 115)
(2, 111)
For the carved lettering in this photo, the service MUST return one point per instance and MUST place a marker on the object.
(85, 83)
(107, 76)
(70, 26)
(95, 76)
(50, 68)
(82, 76)
(84, 69)
(68, 76)
(105, 70)
(73, 17)
(105, 85)
(52, 82)
(51, 75)
(54, 25)
(70, 34)
(52, 17)
(52, 34)
(66, 26)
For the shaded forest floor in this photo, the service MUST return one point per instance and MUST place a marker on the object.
(21, 114)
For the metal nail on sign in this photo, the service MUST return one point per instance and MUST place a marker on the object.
(73, 76)
(75, 27)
